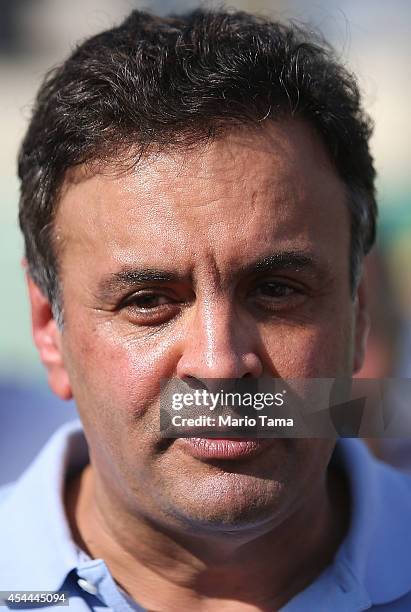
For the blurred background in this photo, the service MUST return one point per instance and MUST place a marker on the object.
(373, 37)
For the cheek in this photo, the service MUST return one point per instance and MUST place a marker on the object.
(114, 377)
(310, 351)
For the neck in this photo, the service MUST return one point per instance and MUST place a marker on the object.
(261, 569)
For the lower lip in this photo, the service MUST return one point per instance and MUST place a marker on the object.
(215, 448)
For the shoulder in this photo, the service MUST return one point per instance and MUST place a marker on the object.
(32, 516)
(378, 546)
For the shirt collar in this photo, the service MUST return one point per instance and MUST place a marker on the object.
(37, 543)
(372, 562)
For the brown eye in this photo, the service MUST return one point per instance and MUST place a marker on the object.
(150, 308)
(277, 296)
(148, 301)
(275, 290)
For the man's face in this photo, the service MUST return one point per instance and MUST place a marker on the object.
(229, 260)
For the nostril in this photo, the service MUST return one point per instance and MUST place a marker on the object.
(194, 383)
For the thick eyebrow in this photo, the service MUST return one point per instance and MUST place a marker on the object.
(295, 261)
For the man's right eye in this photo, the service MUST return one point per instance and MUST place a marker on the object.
(150, 308)
(147, 301)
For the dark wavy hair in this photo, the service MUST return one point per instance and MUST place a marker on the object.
(173, 82)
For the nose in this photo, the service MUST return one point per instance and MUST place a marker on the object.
(219, 345)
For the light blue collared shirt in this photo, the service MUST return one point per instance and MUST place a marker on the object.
(371, 569)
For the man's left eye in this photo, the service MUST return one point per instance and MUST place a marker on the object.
(275, 290)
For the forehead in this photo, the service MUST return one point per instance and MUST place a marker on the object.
(221, 201)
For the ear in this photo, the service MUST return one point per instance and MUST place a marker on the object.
(47, 338)
(362, 324)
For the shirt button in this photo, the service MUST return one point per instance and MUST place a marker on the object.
(87, 586)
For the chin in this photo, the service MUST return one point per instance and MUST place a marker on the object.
(232, 502)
